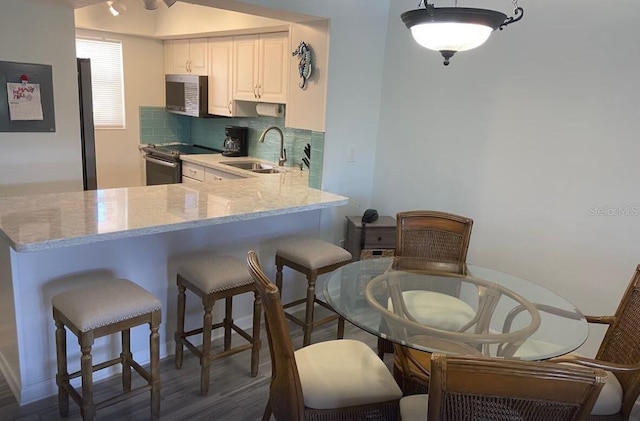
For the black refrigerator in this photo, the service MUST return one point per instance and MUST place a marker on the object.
(87, 134)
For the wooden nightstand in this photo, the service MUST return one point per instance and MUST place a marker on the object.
(379, 237)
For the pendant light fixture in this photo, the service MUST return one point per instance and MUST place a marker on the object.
(453, 29)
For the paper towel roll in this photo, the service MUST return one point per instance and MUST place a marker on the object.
(271, 110)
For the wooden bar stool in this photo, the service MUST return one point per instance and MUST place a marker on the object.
(90, 312)
(213, 278)
(311, 257)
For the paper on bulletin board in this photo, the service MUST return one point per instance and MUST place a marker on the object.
(24, 101)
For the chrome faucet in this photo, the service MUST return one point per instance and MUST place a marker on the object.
(283, 151)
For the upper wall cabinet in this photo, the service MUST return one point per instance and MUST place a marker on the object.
(221, 76)
(261, 67)
(186, 56)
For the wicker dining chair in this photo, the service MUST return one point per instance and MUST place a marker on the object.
(619, 355)
(491, 389)
(437, 236)
(334, 380)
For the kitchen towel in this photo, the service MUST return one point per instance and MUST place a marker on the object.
(271, 110)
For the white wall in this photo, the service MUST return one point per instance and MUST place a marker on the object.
(118, 159)
(526, 135)
(42, 33)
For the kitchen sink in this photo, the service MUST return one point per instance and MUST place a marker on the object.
(266, 171)
(253, 166)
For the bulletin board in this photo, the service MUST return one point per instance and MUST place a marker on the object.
(26, 98)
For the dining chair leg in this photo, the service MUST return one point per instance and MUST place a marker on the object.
(205, 360)
(126, 358)
(340, 334)
(308, 318)
(267, 412)
(62, 378)
(255, 332)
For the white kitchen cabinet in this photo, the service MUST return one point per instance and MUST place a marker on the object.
(261, 67)
(193, 171)
(186, 56)
(221, 77)
(190, 181)
(212, 175)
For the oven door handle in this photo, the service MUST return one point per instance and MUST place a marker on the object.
(160, 162)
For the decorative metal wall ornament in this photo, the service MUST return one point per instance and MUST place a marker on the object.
(305, 65)
(453, 29)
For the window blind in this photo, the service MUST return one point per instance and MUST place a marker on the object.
(107, 80)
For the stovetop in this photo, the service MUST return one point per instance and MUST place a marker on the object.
(179, 149)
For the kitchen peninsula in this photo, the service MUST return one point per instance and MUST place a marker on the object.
(52, 242)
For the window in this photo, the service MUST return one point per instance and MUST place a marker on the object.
(106, 80)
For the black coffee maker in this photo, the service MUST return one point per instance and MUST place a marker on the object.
(235, 141)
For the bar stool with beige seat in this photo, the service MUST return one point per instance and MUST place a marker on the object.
(97, 310)
(312, 257)
(213, 277)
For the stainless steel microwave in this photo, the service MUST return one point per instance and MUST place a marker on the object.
(187, 95)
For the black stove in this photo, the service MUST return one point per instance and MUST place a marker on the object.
(172, 149)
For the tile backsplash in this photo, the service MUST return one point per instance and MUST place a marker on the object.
(158, 126)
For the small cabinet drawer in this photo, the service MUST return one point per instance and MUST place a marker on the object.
(192, 170)
(379, 238)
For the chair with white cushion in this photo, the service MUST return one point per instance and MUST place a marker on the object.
(440, 237)
(97, 310)
(333, 380)
(493, 389)
(213, 277)
(619, 355)
(312, 257)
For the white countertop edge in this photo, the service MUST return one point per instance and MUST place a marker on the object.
(136, 232)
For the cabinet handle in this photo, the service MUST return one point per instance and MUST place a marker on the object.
(188, 66)
(255, 95)
(259, 86)
(230, 112)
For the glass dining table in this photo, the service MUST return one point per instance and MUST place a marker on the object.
(455, 308)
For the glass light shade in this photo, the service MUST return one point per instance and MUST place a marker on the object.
(452, 29)
(450, 36)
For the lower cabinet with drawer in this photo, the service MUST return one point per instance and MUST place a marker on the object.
(192, 172)
(376, 239)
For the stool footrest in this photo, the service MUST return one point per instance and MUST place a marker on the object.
(198, 352)
(96, 367)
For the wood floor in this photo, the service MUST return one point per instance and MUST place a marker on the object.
(233, 393)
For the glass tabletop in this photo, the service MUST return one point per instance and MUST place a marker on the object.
(455, 308)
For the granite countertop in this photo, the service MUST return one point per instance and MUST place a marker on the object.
(46, 221)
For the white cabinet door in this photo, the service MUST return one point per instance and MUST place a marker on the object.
(190, 181)
(261, 67)
(274, 66)
(184, 56)
(198, 56)
(179, 56)
(245, 67)
(220, 76)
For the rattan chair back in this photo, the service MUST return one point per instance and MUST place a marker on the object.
(286, 400)
(433, 235)
(621, 342)
(439, 236)
(478, 388)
